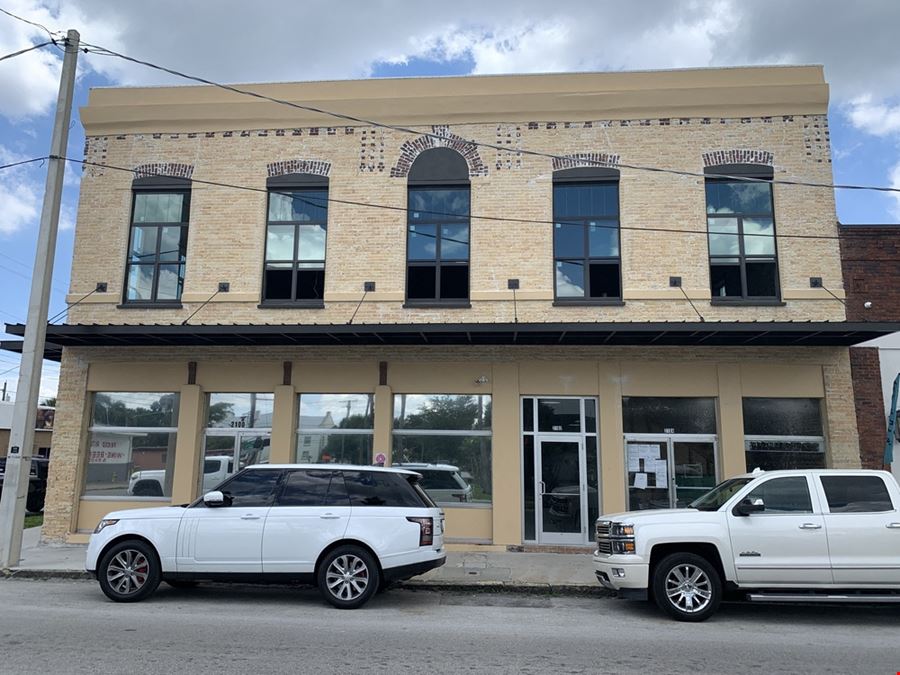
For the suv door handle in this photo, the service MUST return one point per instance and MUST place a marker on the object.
(329, 516)
(810, 526)
(893, 526)
(249, 516)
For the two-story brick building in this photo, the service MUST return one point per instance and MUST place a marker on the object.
(509, 297)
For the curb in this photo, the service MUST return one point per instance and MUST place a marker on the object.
(17, 573)
(487, 587)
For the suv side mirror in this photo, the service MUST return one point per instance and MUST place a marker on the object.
(747, 506)
(214, 498)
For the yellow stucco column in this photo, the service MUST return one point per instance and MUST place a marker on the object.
(612, 440)
(506, 455)
(284, 425)
(732, 460)
(384, 420)
(187, 445)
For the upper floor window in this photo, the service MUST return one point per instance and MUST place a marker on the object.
(158, 240)
(743, 262)
(295, 239)
(437, 245)
(586, 253)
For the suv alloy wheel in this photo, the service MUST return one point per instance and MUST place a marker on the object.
(687, 587)
(129, 571)
(348, 576)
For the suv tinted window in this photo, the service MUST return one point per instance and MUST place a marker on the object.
(856, 494)
(784, 495)
(439, 480)
(375, 488)
(251, 488)
(314, 488)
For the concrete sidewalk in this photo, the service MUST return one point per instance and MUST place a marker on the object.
(472, 569)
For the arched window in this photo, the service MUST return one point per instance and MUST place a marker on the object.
(296, 230)
(437, 241)
(743, 260)
(157, 246)
(586, 256)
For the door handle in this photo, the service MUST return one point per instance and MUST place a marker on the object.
(810, 526)
(329, 516)
(249, 516)
(543, 487)
(893, 526)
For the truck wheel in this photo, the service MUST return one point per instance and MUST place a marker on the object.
(687, 587)
(347, 577)
(129, 571)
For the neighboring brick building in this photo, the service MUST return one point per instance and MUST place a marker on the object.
(870, 257)
(504, 294)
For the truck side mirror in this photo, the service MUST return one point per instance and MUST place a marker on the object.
(747, 506)
(214, 498)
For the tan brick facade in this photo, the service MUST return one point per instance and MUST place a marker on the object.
(682, 121)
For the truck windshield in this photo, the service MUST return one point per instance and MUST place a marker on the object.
(713, 500)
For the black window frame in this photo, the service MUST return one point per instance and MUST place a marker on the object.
(296, 182)
(753, 171)
(157, 185)
(229, 500)
(588, 176)
(438, 169)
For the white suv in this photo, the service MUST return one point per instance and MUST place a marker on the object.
(347, 529)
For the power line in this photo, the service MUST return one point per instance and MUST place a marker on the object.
(49, 32)
(26, 50)
(24, 161)
(403, 209)
(103, 51)
(28, 278)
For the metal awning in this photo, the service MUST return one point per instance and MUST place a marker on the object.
(709, 333)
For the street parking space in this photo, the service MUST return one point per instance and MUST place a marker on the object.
(69, 626)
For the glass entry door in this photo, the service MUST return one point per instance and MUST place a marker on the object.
(668, 470)
(560, 488)
(226, 452)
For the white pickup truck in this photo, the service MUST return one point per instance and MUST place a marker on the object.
(150, 482)
(792, 536)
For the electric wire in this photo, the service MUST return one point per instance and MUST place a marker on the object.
(25, 51)
(24, 161)
(103, 51)
(49, 32)
(403, 209)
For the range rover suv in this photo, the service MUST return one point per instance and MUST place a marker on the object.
(349, 530)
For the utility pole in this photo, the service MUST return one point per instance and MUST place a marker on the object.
(21, 438)
(3, 397)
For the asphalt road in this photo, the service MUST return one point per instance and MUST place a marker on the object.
(70, 627)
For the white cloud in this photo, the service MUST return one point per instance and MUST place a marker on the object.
(874, 117)
(18, 194)
(894, 179)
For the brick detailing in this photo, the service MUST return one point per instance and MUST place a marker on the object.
(446, 139)
(509, 136)
(817, 138)
(585, 159)
(371, 151)
(869, 258)
(316, 167)
(719, 157)
(866, 372)
(164, 169)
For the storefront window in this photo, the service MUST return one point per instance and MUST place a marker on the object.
(669, 415)
(446, 438)
(783, 433)
(335, 428)
(132, 445)
(238, 434)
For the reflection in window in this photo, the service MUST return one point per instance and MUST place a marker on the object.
(238, 435)
(132, 445)
(295, 241)
(586, 234)
(783, 433)
(449, 438)
(654, 415)
(335, 428)
(158, 240)
(784, 495)
(741, 225)
(438, 241)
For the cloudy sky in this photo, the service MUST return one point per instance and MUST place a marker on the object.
(286, 40)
